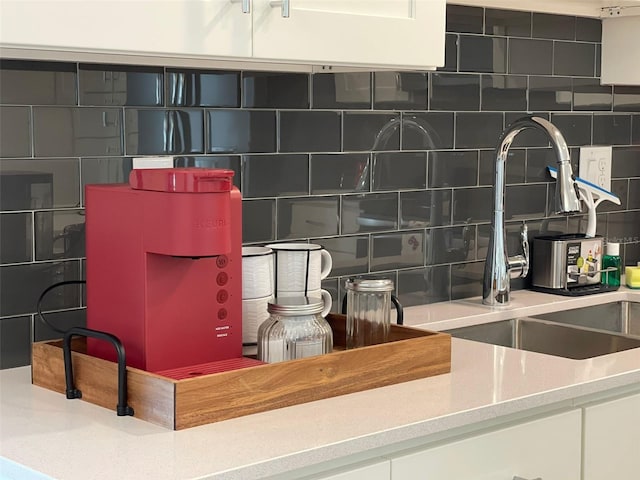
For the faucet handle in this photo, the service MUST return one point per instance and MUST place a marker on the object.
(519, 264)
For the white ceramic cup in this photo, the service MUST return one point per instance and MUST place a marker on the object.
(254, 312)
(257, 272)
(300, 267)
(319, 293)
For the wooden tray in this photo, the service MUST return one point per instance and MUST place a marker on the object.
(177, 404)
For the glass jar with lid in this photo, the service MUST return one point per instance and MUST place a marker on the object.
(295, 329)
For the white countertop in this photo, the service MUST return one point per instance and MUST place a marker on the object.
(72, 439)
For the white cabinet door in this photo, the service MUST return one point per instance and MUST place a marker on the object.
(406, 33)
(612, 439)
(377, 471)
(153, 27)
(548, 448)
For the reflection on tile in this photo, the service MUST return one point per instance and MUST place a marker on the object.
(371, 131)
(626, 99)
(559, 27)
(631, 254)
(340, 173)
(397, 250)
(369, 213)
(23, 284)
(598, 59)
(425, 208)
(525, 201)
(530, 56)
(350, 255)
(450, 53)
(105, 170)
(275, 90)
(451, 91)
(309, 131)
(120, 85)
(451, 244)
(77, 131)
(59, 234)
(275, 175)
(258, 220)
(37, 83)
(453, 169)
(620, 188)
(624, 162)
(342, 90)
(623, 227)
(515, 167)
(537, 161)
(634, 193)
(307, 217)
(15, 342)
(483, 54)
(230, 162)
(400, 90)
(478, 130)
(472, 205)
(399, 170)
(16, 237)
(588, 29)
(464, 19)
(427, 131)
(466, 280)
(571, 58)
(507, 23)
(331, 286)
(550, 93)
(62, 320)
(424, 285)
(576, 129)
(37, 184)
(588, 94)
(156, 132)
(529, 137)
(504, 92)
(635, 129)
(15, 139)
(240, 131)
(611, 129)
(196, 88)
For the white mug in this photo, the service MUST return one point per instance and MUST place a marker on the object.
(254, 312)
(300, 267)
(319, 293)
(257, 272)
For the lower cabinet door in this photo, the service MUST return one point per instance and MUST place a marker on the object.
(376, 471)
(547, 449)
(612, 439)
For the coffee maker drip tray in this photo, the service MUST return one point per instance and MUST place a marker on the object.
(192, 371)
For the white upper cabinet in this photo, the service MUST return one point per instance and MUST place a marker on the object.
(146, 27)
(402, 34)
(351, 32)
(621, 50)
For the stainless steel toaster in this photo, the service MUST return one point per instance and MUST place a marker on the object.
(566, 261)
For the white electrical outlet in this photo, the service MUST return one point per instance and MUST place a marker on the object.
(152, 162)
(595, 166)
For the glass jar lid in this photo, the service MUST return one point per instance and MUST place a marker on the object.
(363, 285)
(290, 306)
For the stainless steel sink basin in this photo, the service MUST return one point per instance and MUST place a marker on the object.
(548, 337)
(620, 317)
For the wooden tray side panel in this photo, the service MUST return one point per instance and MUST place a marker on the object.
(151, 397)
(232, 394)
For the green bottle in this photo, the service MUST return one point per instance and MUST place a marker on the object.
(612, 260)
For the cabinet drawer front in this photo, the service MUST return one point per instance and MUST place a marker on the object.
(548, 448)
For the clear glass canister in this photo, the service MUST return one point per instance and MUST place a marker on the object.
(294, 329)
(368, 312)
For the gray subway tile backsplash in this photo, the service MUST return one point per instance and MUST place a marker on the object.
(391, 171)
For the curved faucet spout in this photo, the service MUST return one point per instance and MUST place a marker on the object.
(498, 265)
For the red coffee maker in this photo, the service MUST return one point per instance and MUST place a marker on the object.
(164, 265)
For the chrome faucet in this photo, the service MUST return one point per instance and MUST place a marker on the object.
(499, 268)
